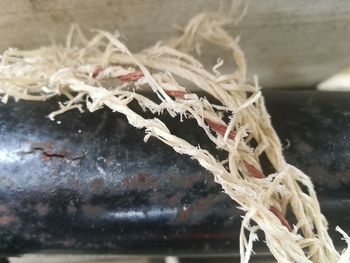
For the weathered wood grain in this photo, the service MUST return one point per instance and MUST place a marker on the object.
(287, 43)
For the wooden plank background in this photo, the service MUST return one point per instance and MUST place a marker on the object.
(287, 43)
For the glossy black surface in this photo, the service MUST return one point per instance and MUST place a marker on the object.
(91, 185)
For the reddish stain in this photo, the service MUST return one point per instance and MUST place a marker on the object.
(7, 219)
(176, 93)
(144, 178)
(281, 217)
(220, 128)
(133, 76)
(183, 215)
(141, 180)
(48, 150)
(253, 171)
(96, 72)
(97, 183)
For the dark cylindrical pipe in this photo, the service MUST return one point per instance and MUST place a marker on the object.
(87, 183)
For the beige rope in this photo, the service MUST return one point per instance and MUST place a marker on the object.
(102, 72)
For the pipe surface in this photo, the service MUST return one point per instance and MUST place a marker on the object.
(89, 184)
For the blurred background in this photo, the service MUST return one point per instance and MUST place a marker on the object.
(288, 44)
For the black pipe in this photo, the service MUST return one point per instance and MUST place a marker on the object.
(89, 184)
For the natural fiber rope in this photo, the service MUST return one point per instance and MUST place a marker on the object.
(102, 72)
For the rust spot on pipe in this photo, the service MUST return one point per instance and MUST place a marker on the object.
(50, 150)
(144, 178)
(141, 180)
(97, 183)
